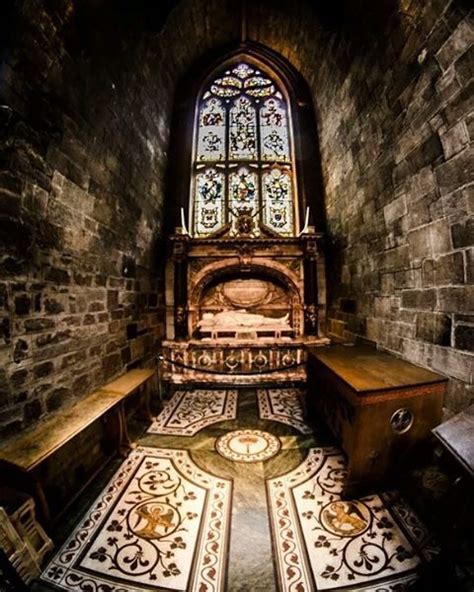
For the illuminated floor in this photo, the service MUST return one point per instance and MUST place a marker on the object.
(244, 497)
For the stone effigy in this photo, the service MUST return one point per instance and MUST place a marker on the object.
(238, 319)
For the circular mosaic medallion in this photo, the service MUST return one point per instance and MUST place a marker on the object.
(248, 445)
(154, 520)
(347, 519)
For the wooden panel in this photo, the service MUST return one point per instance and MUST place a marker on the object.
(130, 381)
(366, 369)
(32, 446)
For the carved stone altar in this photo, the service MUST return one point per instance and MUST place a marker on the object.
(251, 302)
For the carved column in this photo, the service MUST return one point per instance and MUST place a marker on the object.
(310, 271)
(180, 258)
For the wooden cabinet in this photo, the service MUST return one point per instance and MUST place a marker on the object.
(380, 408)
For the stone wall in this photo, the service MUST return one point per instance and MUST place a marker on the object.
(80, 197)
(392, 88)
(399, 171)
(86, 96)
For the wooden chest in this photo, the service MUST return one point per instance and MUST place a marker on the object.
(380, 408)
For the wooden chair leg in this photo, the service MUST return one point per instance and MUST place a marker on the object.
(126, 444)
(40, 497)
(113, 427)
(145, 403)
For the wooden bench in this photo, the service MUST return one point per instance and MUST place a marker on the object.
(23, 457)
(379, 407)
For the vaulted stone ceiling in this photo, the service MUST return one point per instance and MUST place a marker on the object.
(87, 93)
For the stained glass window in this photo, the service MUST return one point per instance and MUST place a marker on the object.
(209, 210)
(242, 130)
(277, 194)
(243, 197)
(243, 157)
(211, 143)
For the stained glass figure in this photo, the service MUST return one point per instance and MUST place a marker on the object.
(209, 205)
(278, 201)
(243, 200)
(244, 145)
(274, 131)
(211, 142)
(242, 130)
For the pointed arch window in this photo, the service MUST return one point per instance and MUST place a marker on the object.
(243, 159)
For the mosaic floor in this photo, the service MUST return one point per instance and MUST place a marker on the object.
(233, 490)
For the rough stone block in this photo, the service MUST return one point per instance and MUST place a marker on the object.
(456, 299)
(454, 139)
(459, 396)
(440, 237)
(53, 306)
(396, 209)
(469, 266)
(57, 397)
(449, 269)
(419, 241)
(111, 365)
(42, 370)
(452, 362)
(20, 350)
(422, 183)
(22, 304)
(457, 172)
(58, 276)
(463, 234)
(33, 411)
(464, 337)
(419, 299)
(455, 46)
(435, 328)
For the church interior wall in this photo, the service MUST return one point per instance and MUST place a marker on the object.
(394, 115)
(85, 125)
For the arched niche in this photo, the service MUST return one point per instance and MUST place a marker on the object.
(305, 137)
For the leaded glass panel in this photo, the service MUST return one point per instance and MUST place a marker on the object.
(274, 131)
(278, 201)
(242, 130)
(209, 205)
(211, 142)
(243, 196)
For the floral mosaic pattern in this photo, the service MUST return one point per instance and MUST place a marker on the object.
(161, 523)
(188, 412)
(342, 543)
(283, 405)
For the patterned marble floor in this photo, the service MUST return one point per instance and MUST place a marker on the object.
(277, 524)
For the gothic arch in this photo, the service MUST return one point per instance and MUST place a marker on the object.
(306, 148)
